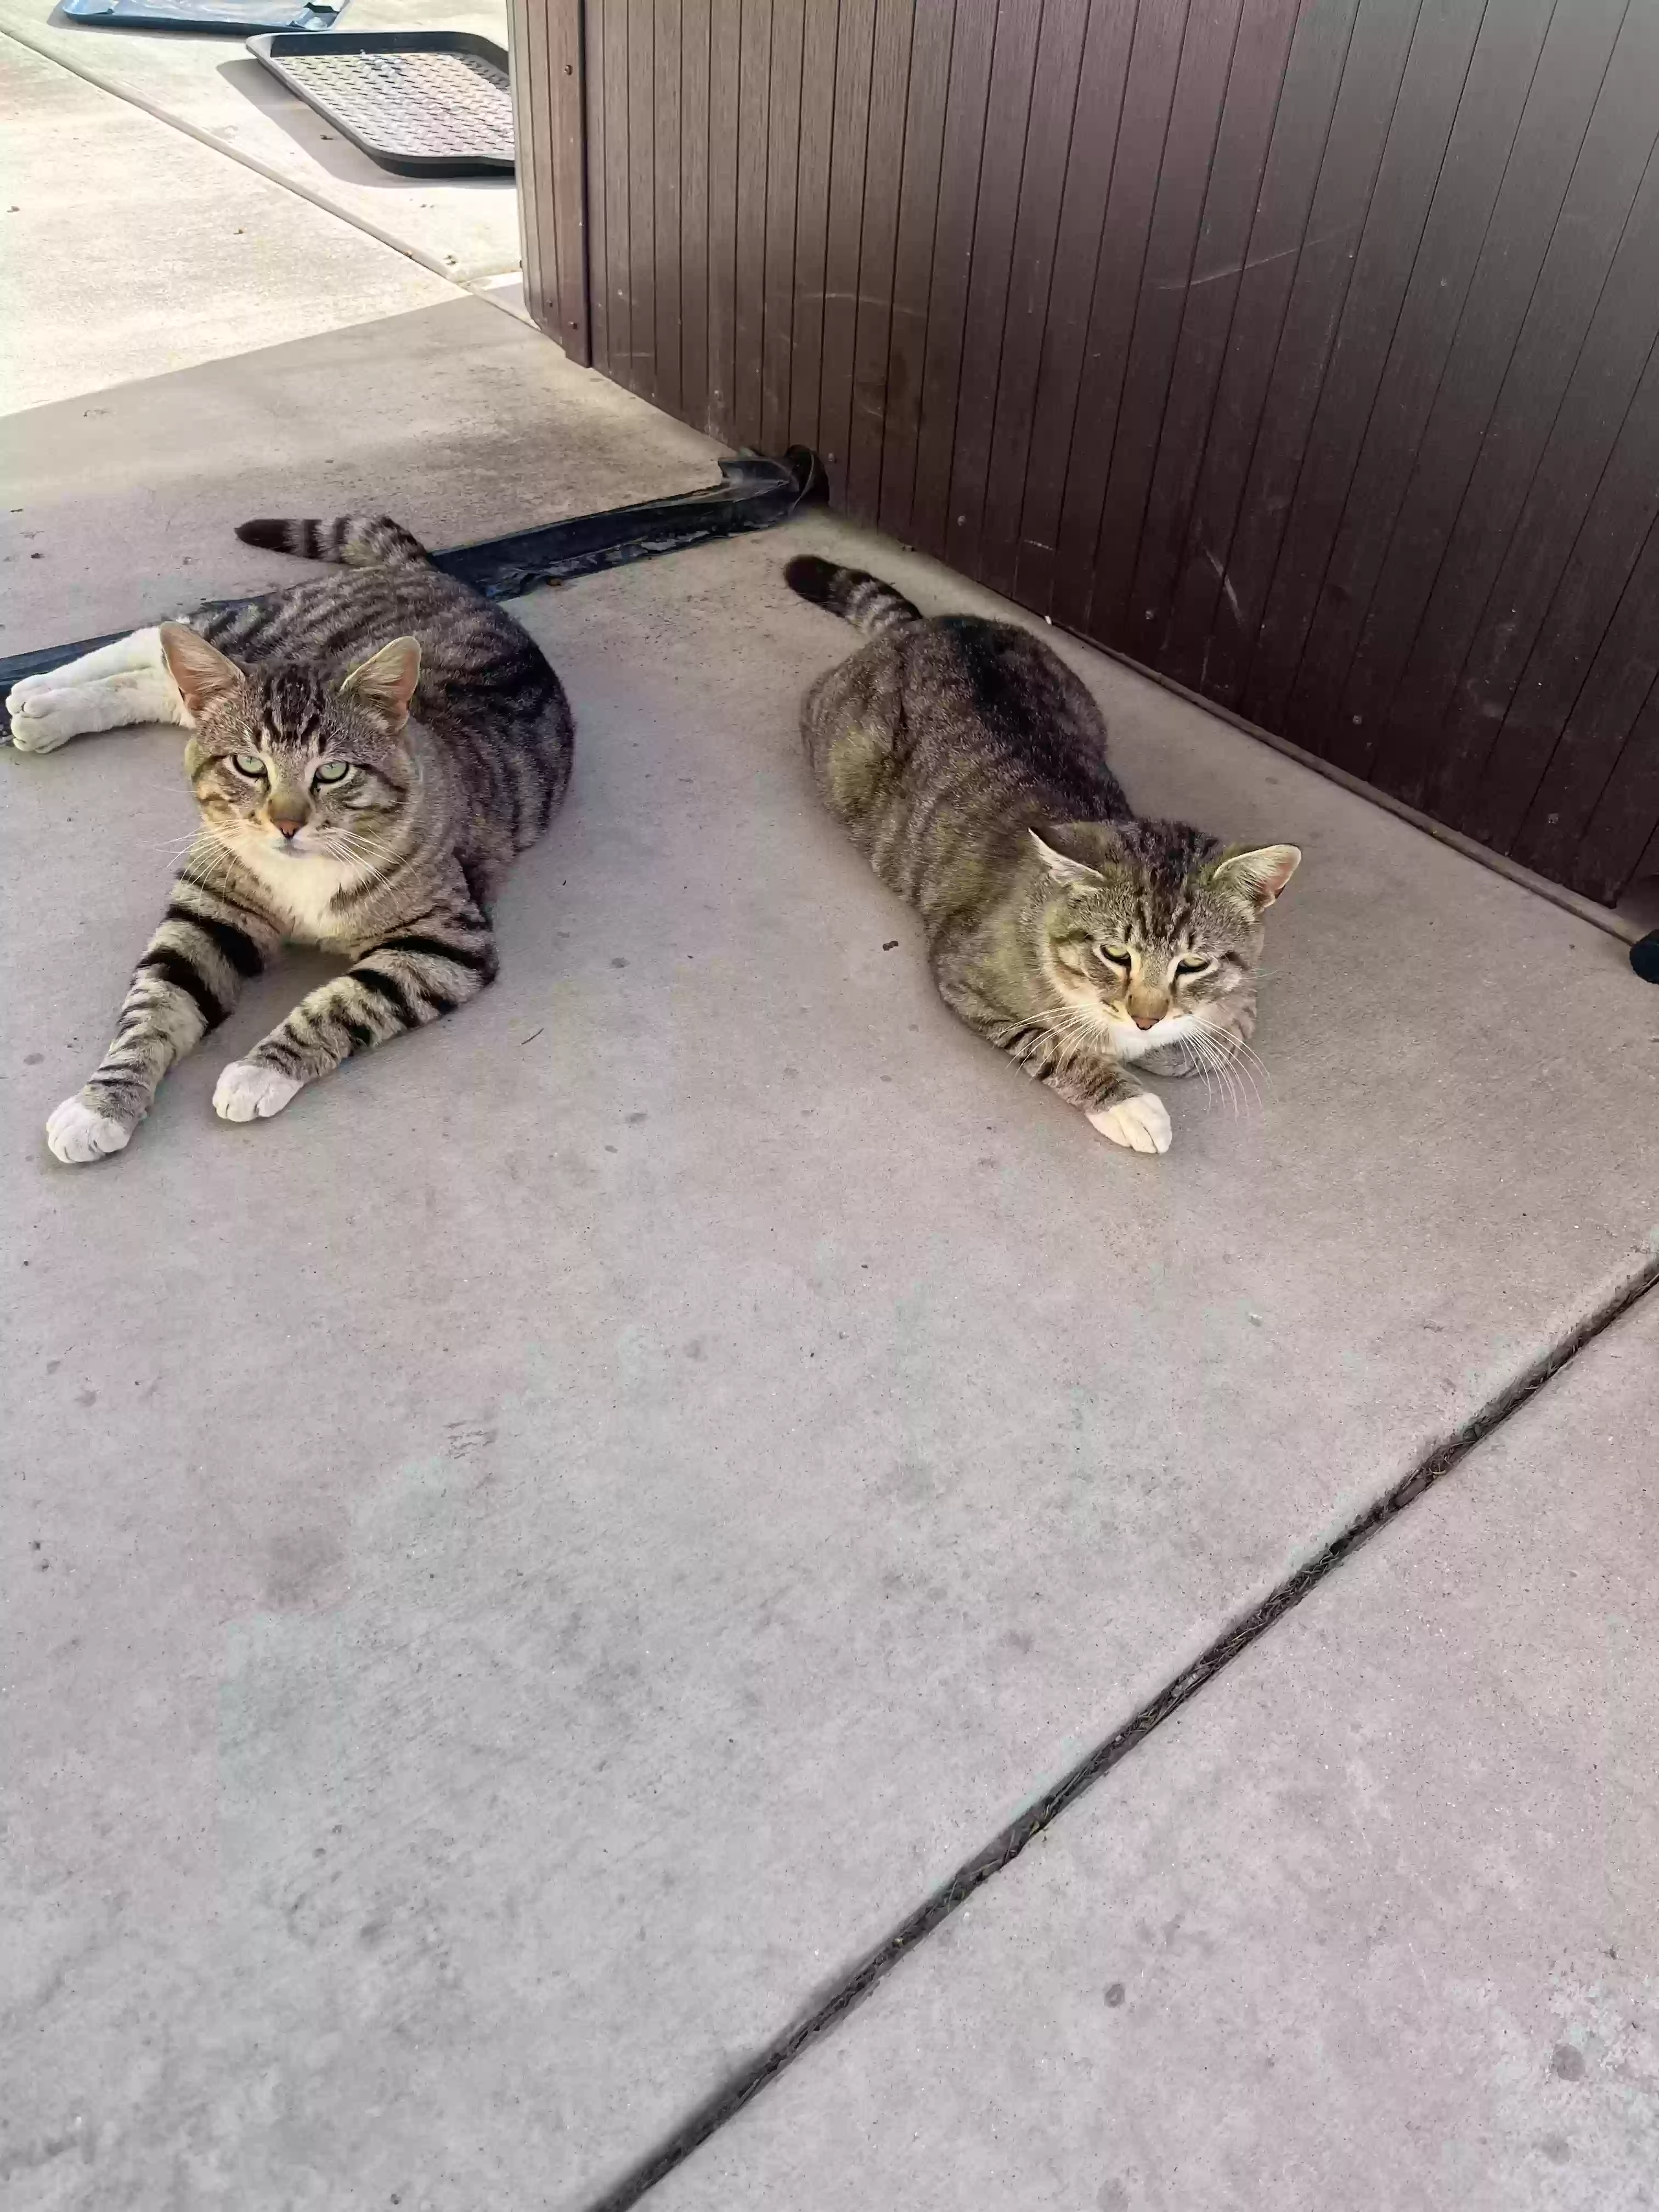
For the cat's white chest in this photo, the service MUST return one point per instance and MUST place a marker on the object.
(301, 888)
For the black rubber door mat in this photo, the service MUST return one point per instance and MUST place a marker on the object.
(420, 103)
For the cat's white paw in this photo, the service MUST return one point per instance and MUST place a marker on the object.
(49, 679)
(78, 1133)
(1142, 1123)
(42, 720)
(245, 1090)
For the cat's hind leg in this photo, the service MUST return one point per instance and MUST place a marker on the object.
(139, 648)
(50, 717)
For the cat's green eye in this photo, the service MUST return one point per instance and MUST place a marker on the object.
(1191, 967)
(333, 772)
(1114, 953)
(249, 764)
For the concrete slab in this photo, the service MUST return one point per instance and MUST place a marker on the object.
(464, 228)
(459, 419)
(205, 260)
(1374, 1922)
(553, 1545)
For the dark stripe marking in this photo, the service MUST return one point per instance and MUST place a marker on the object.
(389, 990)
(432, 948)
(173, 968)
(238, 947)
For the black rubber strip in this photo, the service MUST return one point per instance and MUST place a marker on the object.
(753, 494)
(866, 1974)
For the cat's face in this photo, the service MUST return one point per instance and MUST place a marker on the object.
(287, 762)
(1152, 931)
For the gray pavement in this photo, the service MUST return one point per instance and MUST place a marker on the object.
(1373, 1922)
(205, 261)
(522, 1568)
(465, 229)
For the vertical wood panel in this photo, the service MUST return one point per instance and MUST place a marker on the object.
(724, 42)
(1489, 116)
(1412, 159)
(1606, 177)
(619, 356)
(1353, 154)
(642, 197)
(753, 94)
(1103, 81)
(1231, 210)
(666, 221)
(1149, 91)
(1620, 843)
(953, 254)
(693, 211)
(1001, 166)
(1166, 276)
(1574, 618)
(782, 169)
(1569, 79)
(1306, 348)
(1296, 155)
(1056, 110)
(820, 38)
(599, 303)
(1568, 477)
(1590, 751)
(883, 176)
(850, 131)
(931, 39)
(527, 31)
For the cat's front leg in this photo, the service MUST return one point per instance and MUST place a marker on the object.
(415, 975)
(209, 943)
(1113, 1101)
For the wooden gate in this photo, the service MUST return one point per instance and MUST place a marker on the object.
(1302, 349)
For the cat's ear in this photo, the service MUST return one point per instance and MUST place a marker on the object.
(1257, 876)
(386, 682)
(1063, 870)
(200, 669)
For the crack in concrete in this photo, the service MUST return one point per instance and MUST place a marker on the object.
(851, 1987)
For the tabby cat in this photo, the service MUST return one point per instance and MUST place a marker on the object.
(368, 751)
(969, 765)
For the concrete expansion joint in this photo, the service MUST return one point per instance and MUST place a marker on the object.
(849, 1989)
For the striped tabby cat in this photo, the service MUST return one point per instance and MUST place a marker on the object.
(969, 765)
(368, 752)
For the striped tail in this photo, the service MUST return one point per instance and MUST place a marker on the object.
(355, 541)
(863, 600)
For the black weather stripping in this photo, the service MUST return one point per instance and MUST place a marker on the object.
(753, 492)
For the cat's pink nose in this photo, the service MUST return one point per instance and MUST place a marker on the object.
(1147, 1021)
(288, 828)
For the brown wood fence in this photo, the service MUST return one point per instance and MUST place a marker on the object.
(1303, 350)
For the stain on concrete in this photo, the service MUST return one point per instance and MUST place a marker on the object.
(297, 1561)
